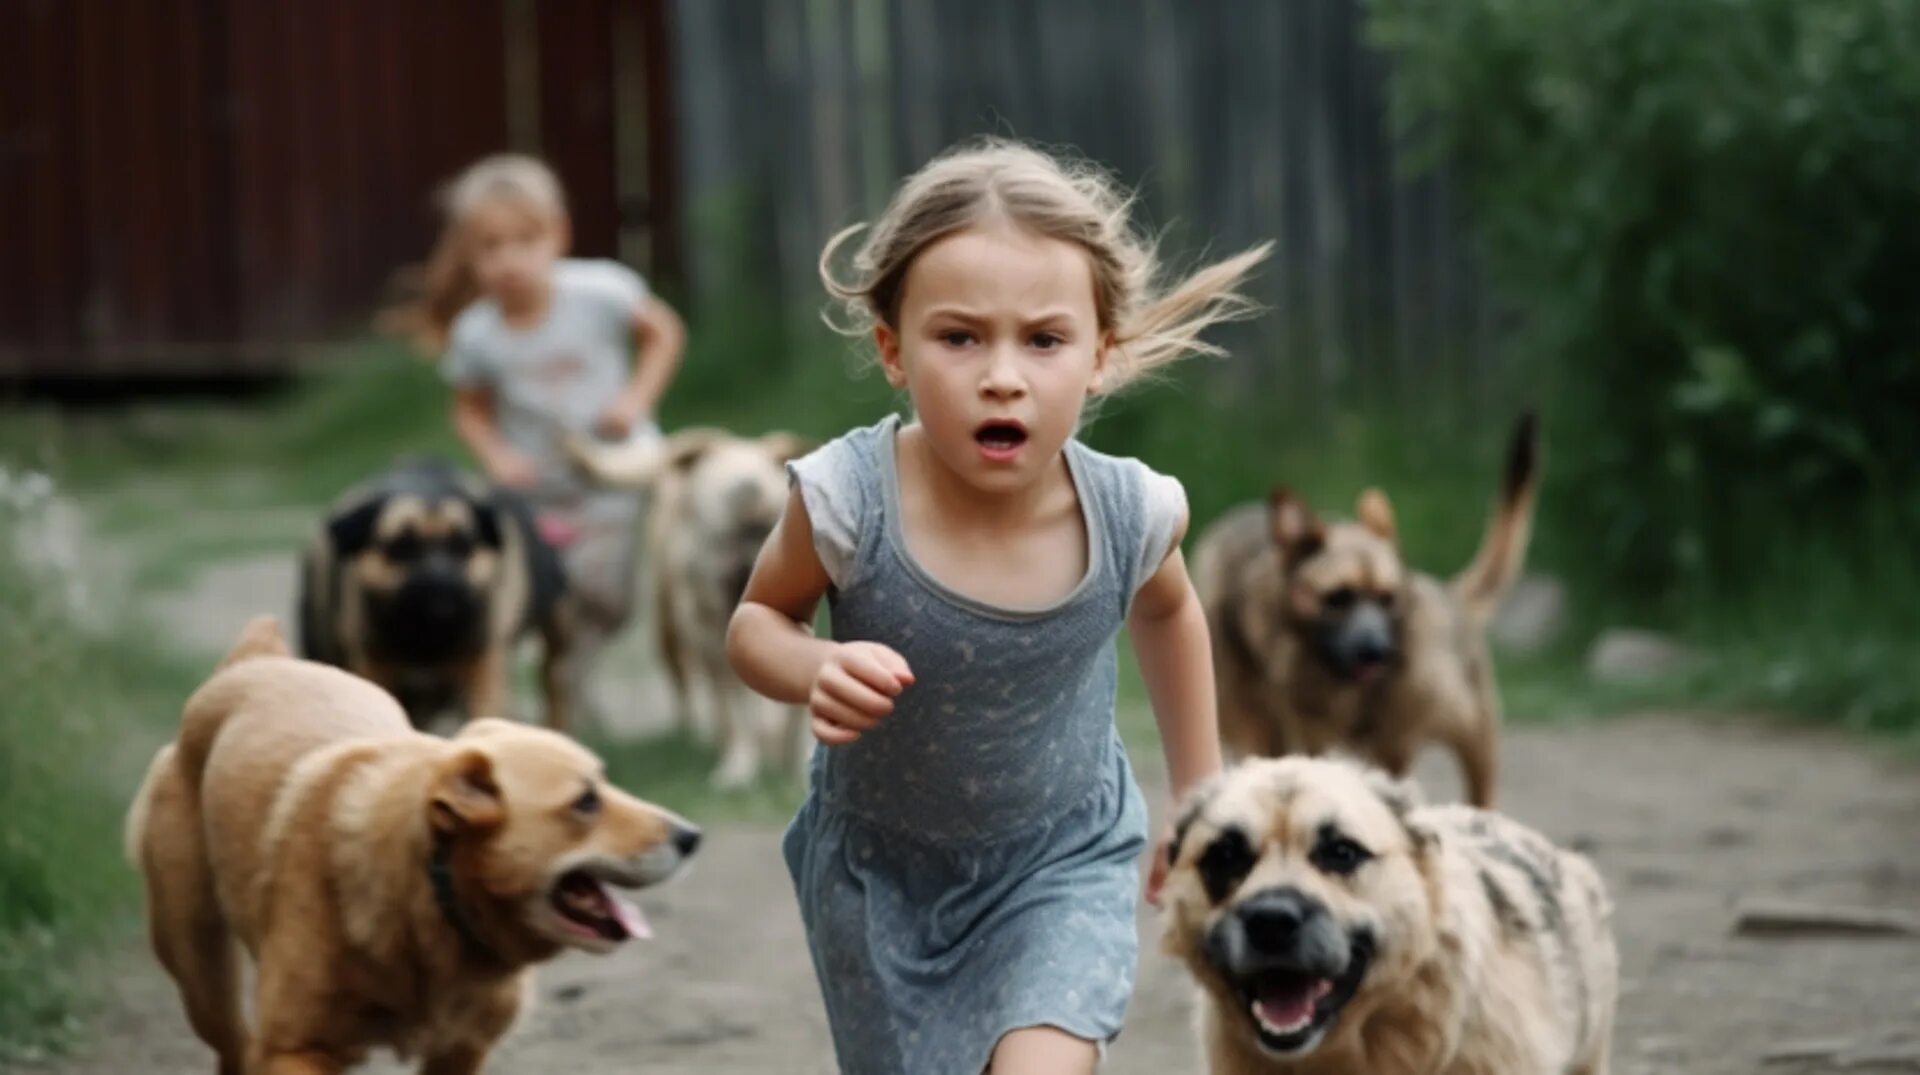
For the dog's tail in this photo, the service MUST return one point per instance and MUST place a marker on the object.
(134, 835)
(1485, 581)
(261, 637)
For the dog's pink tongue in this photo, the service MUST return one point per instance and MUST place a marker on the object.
(628, 913)
(1284, 1009)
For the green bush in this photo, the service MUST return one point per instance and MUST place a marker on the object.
(1706, 214)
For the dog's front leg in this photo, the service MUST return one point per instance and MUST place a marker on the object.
(460, 1060)
(486, 687)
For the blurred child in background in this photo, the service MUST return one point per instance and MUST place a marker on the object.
(540, 347)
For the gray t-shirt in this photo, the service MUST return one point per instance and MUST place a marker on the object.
(555, 377)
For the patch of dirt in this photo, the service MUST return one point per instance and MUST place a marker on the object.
(1684, 817)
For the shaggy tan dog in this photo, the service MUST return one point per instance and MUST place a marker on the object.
(393, 888)
(1336, 926)
(1323, 637)
(713, 498)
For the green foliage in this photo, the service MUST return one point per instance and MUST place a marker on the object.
(1707, 214)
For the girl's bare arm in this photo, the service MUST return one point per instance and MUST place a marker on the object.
(662, 340)
(473, 421)
(848, 687)
(1169, 631)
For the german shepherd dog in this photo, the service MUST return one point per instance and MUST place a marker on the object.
(1324, 637)
(422, 578)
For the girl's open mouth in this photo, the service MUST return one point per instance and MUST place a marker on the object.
(1000, 441)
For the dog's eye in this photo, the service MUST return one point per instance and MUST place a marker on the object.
(588, 804)
(1338, 855)
(1225, 863)
(1385, 599)
(1340, 599)
(459, 546)
(403, 548)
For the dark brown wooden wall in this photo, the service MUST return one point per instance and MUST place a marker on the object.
(195, 186)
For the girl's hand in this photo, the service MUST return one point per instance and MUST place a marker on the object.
(854, 690)
(1157, 865)
(617, 421)
(513, 470)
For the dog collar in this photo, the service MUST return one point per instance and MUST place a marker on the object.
(440, 873)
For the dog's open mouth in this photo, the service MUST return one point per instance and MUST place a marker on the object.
(1283, 1004)
(1000, 439)
(593, 909)
(1291, 1010)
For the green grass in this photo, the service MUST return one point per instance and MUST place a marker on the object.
(76, 707)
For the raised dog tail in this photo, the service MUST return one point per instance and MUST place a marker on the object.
(1503, 549)
(261, 637)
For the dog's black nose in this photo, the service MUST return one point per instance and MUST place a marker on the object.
(1272, 919)
(687, 840)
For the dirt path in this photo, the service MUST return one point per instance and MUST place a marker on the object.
(1683, 815)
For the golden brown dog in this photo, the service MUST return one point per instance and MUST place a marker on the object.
(713, 498)
(1335, 925)
(422, 578)
(1323, 637)
(393, 888)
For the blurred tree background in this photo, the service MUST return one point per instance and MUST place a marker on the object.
(1706, 219)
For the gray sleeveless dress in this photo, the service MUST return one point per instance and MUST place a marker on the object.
(970, 866)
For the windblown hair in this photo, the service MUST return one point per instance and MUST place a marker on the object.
(1152, 322)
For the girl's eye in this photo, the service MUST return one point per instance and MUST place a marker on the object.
(956, 338)
(1046, 341)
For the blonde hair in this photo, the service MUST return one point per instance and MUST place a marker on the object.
(434, 293)
(1152, 323)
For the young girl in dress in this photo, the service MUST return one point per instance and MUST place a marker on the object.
(539, 347)
(966, 860)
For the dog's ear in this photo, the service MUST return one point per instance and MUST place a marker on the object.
(786, 447)
(1402, 797)
(689, 446)
(465, 796)
(351, 532)
(486, 524)
(1191, 808)
(1295, 528)
(1377, 515)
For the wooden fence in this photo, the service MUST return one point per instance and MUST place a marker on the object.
(1237, 119)
(196, 186)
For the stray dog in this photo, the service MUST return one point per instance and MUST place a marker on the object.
(714, 498)
(393, 888)
(1322, 636)
(1336, 925)
(422, 579)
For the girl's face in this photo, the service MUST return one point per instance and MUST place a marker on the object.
(512, 248)
(999, 346)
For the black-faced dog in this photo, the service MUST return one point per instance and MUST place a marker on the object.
(421, 579)
(1335, 925)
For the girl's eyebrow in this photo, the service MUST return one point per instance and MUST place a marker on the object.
(1026, 320)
